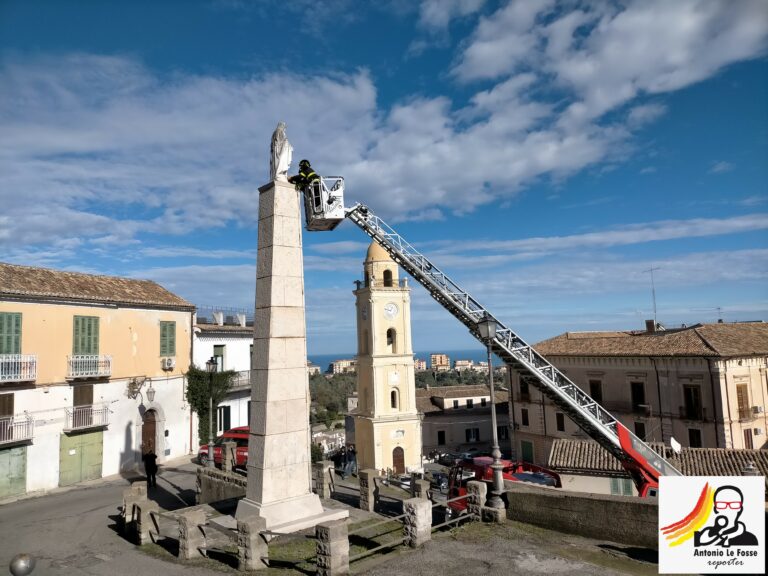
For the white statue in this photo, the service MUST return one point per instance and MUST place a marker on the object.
(281, 154)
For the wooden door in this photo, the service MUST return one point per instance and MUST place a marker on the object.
(149, 432)
(398, 460)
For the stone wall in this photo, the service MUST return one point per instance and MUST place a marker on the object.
(214, 485)
(624, 519)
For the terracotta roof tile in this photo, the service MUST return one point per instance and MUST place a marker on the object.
(28, 281)
(426, 398)
(709, 340)
(231, 328)
(588, 457)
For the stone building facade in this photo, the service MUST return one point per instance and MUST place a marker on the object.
(703, 385)
(387, 425)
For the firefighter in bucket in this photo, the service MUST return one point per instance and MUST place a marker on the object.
(309, 183)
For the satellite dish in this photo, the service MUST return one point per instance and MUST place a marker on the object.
(676, 446)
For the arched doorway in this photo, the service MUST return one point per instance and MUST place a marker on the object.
(398, 460)
(149, 432)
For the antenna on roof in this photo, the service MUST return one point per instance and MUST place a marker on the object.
(653, 291)
(719, 312)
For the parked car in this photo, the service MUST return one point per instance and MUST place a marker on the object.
(438, 480)
(448, 458)
(237, 435)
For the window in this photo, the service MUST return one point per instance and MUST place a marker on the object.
(392, 341)
(483, 402)
(393, 399)
(218, 353)
(167, 338)
(455, 403)
(748, 444)
(249, 414)
(502, 432)
(6, 406)
(692, 397)
(473, 434)
(526, 448)
(560, 420)
(441, 437)
(638, 396)
(524, 417)
(694, 438)
(83, 395)
(621, 486)
(525, 392)
(470, 403)
(742, 397)
(596, 390)
(223, 418)
(85, 340)
(251, 356)
(82, 400)
(640, 430)
(10, 333)
(388, 278)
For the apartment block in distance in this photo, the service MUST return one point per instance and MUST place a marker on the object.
(91, 375)
(440, 362)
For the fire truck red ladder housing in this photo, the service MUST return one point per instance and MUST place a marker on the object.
(638, 459)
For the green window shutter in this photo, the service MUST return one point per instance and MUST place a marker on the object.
(167, 338)
(172, 338)
(10, 333)
(77, 330)
(627, 487)
(615, 486)
(163, 339)
(85, 338)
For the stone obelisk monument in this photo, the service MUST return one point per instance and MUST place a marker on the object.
(279, 464)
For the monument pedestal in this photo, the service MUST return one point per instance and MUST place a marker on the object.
(279, 485)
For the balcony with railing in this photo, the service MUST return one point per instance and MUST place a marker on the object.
(241, 381)
(89, 366)
(18, 367)
(84, 417)
(693, 412)
(15, 429)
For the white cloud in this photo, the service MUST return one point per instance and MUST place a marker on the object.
(645, 114)
(720, 167)
(344, 247)
(437, 14)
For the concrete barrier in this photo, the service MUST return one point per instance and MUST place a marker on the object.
(625, 519)
(214, 485)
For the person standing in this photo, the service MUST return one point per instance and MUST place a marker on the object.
(150, 467)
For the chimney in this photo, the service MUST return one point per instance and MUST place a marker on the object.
(650, 326)
(218, 318)
(241, 319)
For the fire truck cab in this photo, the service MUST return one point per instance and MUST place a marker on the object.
(480, 469)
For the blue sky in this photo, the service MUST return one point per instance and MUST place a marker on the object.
(543, 154)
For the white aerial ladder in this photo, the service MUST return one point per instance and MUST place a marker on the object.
(326, 210)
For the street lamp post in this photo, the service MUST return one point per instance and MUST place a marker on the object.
(487, 328)
(210, 366)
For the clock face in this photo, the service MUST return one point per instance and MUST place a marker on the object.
(390, 310)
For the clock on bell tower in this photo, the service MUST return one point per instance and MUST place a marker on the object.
(387, 424)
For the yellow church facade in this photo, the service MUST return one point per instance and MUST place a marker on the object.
(387, 423)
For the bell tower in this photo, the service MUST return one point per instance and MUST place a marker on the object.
(387, 424)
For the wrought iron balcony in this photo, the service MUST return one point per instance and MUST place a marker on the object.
(18, 367)
(89, 366)
(16, 429)
(83, 417)
(241, 381)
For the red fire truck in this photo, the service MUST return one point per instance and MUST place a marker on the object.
(480, 469)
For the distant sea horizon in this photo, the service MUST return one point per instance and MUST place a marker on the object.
(475, 354)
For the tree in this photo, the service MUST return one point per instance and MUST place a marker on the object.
(199, 393)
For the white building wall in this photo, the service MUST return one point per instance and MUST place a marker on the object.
(237, 351)
(121, 438)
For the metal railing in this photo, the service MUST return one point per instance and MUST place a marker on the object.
(18, 367)
(16, 429)
(89, 366)
(241, 380)
(89, 416)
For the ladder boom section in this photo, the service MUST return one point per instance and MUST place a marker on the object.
(580, 407)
